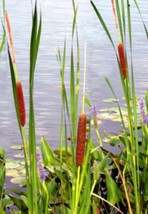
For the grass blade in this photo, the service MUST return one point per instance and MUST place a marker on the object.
(34, 45)
(145, 28)
(103, 24)
(3, 40)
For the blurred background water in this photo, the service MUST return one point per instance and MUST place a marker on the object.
(57, 18)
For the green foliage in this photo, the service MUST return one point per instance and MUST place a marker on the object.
(47, 154)
(113, 191)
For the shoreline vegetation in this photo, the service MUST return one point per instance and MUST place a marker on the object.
(80, 176)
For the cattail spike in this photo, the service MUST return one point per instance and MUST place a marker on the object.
(10, 37)
(122, 60)
(114, 12)
(81, 139)
(21, 103)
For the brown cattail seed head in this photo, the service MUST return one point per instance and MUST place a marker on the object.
(21, 103)
(122, 60)
(81, 139)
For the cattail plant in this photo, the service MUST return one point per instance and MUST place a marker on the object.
(81, 132)
(81, 139)
(121, 52)
(122, 60)
(21, 103)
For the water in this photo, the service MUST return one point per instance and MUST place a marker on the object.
(101, 63)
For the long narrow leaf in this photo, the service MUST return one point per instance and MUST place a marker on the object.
(103, 24)
(119, 20)
(3, 40)
(13, 81)
(145, 28)
(74, 21)
(35, 39)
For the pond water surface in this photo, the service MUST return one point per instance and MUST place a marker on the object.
(101, 62)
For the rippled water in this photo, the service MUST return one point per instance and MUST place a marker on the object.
(101, 63)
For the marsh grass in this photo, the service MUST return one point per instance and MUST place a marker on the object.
(97, 181)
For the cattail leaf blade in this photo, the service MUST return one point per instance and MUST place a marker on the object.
(13, 81)
(145, 27)
(103, 24)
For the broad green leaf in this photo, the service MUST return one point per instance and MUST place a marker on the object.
(12, 172)
(19, 203)
(113, 192)
(18, 191)
(53, 188)
(19, 156)
(102, 163)
(17, 180)
(110, 100)
(17, 147)
(47, 154)
(6, 201)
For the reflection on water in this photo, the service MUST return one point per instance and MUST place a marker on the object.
(57, 21)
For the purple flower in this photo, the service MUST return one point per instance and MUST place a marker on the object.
(41, 170)
(145, 120)
(142, 111)
(142, 108)
(94, 112)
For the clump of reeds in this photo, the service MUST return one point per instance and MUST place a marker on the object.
(81, 139)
